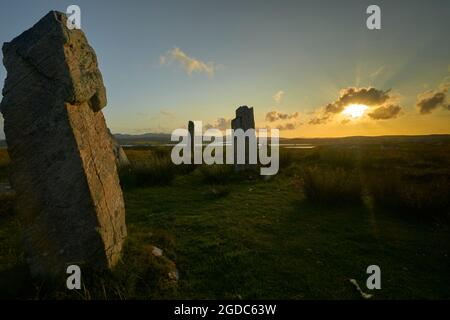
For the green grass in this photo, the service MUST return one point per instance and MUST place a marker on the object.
(257, 239)
(261, 242)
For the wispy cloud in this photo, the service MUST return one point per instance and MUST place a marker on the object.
(284, 121)
(288, 126)
(188, 64)
(377, 72)
(220, 123)
(274, 115)
(167, 113)
(278, 97)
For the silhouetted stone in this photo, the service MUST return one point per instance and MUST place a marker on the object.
(191, 130)
(244, 120)
(62, 162)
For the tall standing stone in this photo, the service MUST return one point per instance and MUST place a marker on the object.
(244, 120)
(191, 130)
(63, 166)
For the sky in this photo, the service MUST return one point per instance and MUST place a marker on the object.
(300, 64)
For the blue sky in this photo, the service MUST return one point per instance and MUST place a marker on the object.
(245, 52)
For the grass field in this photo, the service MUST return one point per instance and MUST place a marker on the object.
(330, 213)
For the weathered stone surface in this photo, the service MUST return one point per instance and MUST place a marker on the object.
(122, 161)
(62, 162)
(244, 120)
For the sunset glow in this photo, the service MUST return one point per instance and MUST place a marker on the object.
(355, 110)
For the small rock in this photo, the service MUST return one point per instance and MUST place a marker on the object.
(157, 252)
(120, 155)
(363, 294)
(174, 275)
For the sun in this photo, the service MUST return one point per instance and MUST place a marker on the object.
(355, 110)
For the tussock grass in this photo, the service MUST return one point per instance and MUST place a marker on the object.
(331, 185)
(151, 166)
(287, 158)
(425, 198)
(148, 167)
(342, 157)
(153, 171)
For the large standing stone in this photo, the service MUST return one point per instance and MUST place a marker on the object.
(63, 166)
(244, 120)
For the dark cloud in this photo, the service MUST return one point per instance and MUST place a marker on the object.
(367, 96)
(220, 123)
(431, 100)
(274, 115)
(385, 112)
(370, 97)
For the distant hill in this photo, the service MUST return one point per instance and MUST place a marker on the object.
(432, 138)
(146, 138)
(162, 138)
